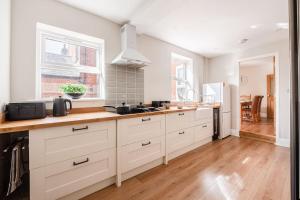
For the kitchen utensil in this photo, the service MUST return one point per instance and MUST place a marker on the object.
(60, 107)
(122, 110)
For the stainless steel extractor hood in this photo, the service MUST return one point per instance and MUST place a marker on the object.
(129, 54)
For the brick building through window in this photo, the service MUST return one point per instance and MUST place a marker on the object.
(65, 59)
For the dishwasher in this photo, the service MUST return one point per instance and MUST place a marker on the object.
(14, 166)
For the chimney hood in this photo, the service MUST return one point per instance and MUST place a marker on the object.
(129, 55)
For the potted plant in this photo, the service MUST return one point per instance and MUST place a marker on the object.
(75, 91)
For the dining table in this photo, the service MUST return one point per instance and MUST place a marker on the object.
(244, 104)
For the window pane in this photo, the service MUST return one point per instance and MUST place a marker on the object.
(182, 78)
(63, 53)
(180, 72)
(57, 52)
(52, 81)
(88, 56)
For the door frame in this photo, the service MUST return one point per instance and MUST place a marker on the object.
(269, 79)
(277, 97)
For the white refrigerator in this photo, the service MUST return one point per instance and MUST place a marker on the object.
(219, 93)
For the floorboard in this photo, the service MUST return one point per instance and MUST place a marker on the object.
(234, 168)
(263, 130)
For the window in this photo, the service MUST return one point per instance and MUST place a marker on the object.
(68, 57)
(182, 78)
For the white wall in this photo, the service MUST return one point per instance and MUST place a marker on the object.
(226, 68)
(158, 74)
(256, 82)
(25, 15)
(5, 12)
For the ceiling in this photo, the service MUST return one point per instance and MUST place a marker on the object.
(207, 27)
(259, 62)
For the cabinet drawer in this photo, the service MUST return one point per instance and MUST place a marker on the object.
(51, 145)
(179, 120)
(203, 131)
(179, 139)
(137, 129)
(203, 115)
(63, 178)
(142, 152)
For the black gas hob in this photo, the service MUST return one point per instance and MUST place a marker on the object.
(131, 109)
(135, 110)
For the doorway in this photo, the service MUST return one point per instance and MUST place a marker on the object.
(257, 98)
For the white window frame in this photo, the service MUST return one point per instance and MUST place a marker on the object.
(46, 31)
(184, 66)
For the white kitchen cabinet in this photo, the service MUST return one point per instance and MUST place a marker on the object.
(69, 158)
(136, 129)
(179, 139)
(139, 142)
(179, 120)
(203, 131)
(226, 124)
(203, 115)
(60, 179)
(51, 145)
(142, 152)
(187, 131)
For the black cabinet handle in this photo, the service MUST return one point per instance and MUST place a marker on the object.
(145, 144)
(204, 126)
(181, 114)
(144, 120)
(180, 133)
(79, 163)
(80, 129)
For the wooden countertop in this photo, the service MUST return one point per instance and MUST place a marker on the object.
(24, 125)
(71, 119)
(171, 110)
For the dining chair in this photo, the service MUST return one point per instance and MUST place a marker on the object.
(252, 113)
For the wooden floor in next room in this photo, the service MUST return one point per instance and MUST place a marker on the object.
(262, 130)
(233, 168)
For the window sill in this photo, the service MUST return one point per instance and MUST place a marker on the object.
(73, 100)
(77, 103)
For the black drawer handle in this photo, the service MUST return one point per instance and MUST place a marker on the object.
(144, 120)
(181, 133)
(145, 144)
(79, 163)
(80, 129)
(204, 126)
(181, 114)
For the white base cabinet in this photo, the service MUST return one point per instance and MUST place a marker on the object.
(139, 141)
(142, 152)
(188, 128)
(179, 139)
(63, 178)
(67, 159)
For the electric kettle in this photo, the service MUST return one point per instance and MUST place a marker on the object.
(60, 106)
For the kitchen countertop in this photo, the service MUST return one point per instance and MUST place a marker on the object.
(71, 119)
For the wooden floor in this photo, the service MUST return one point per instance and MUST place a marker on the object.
(263, 130)
(234, 168)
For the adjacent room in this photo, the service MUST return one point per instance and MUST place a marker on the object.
(258, 98)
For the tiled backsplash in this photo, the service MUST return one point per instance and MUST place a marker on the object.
(124, 84)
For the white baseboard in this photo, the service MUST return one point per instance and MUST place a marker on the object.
(90, 189)
(235, 132)
(142, 169)
(283, 142)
